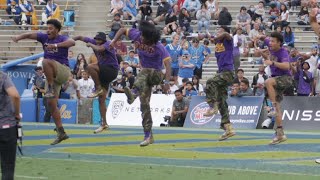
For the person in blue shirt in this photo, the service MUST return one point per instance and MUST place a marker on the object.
(198, 53)
(207, 50)
(189, 91)
(186, 68)
(132, 61)
(72, 60)
(27, 9)
(50, 8)
(175, 51)
(288, 36)
(11, 5)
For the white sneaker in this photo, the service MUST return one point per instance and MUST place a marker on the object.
(317, 161)
(100, 129)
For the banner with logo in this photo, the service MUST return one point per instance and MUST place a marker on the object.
(69, 17)
(244, 113)
(28, 109)
(21, 76)
(301, 113)
(68, 110)
(121, 113)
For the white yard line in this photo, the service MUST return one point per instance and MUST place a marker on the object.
(31, 177)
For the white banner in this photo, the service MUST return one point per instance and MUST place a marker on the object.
(121, 113)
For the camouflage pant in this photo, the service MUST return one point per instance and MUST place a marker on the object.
(282, 83)
(145, 80)
(217, 92)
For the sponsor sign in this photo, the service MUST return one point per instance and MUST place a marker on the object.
(121, 113)
(244, 113)
(301, 113)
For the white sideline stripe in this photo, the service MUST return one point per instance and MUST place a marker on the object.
(177, 166)
(31, 177)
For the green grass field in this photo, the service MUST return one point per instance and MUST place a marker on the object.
(178, 154)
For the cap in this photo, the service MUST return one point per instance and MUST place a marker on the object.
(127, 62)
(101, 36)
(186, 53)
(128, 70)
(117, 14)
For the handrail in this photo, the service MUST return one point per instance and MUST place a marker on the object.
(21, 60)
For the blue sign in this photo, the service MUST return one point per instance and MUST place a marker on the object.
(244, 113)
(21, 75)
(28, 109)
(96, 118)
(68, 110)
(69, 17)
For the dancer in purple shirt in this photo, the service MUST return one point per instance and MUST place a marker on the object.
(278, 59)
(102, 73)
(55, 66)
(153, 56)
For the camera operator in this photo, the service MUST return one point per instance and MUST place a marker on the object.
(9, 116)
(179, 109)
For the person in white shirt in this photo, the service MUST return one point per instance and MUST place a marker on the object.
(72, 88)
(173, 87)
(86, 85)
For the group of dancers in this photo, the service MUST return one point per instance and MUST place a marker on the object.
(153, 56)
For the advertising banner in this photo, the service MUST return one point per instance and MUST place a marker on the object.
(244, 113)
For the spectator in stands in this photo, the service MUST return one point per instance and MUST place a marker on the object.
(245, 89)
(26, 12)
(119, 84)
(171, 23)
(86, 85)
(294, 4)
(72, 60)
(80, 66)
(11, 5)
(312, 58)
(305, 79)
(184, 20)
(243, 20)
(203, 16)
(288, 37)
(173, 86)
(240, 76)
(9, 118)
(253, 34)
(175, 51)
(129, 77)
(52, 10)
(145, 10)
(213, 8)
(43, 2)
(179, 110)
(274, 13)
(184, 84)
(207, 52)
(178, 32)
(198, 54)
(71, 87)
(234, 89)
(129, 10)
(258, 82)
(132, 61)
(294, 55)
(162, 11)
(15, 11)
(303, 16)
(124, 66)
(121, 48)
(189, 91)
(251, 10)
(197, 86)
(192, 7)
(284, 16)
(239, 47)
(38, 82)
(186, 68)
(276, 3)
(115, 25)
(224, 17)
(259, 12)
(116, 7)
(317, 81)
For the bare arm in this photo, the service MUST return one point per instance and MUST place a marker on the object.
(13, 93)
(222, 36)
(121, 31)
(78, 38)
(66, 44)
(167, 64)
(28, 35)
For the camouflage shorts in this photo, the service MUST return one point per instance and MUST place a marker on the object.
(282, 83)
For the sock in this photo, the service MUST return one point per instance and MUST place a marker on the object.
(146, 134)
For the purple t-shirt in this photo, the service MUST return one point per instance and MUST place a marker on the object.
(107, 57)
(61, 54)
(224, 55)
(280, 56)
(303, 86)
(6, 106)
(150, 56)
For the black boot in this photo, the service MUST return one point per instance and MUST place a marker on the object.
(61, 135)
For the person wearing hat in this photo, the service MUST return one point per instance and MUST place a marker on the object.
(186, 67)
(305, 79)
(129, 77)
(133, 61)
(243, 20)
(116, 24)
(102, 73)
(216, 88)
(153, 57)
(11, 4)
